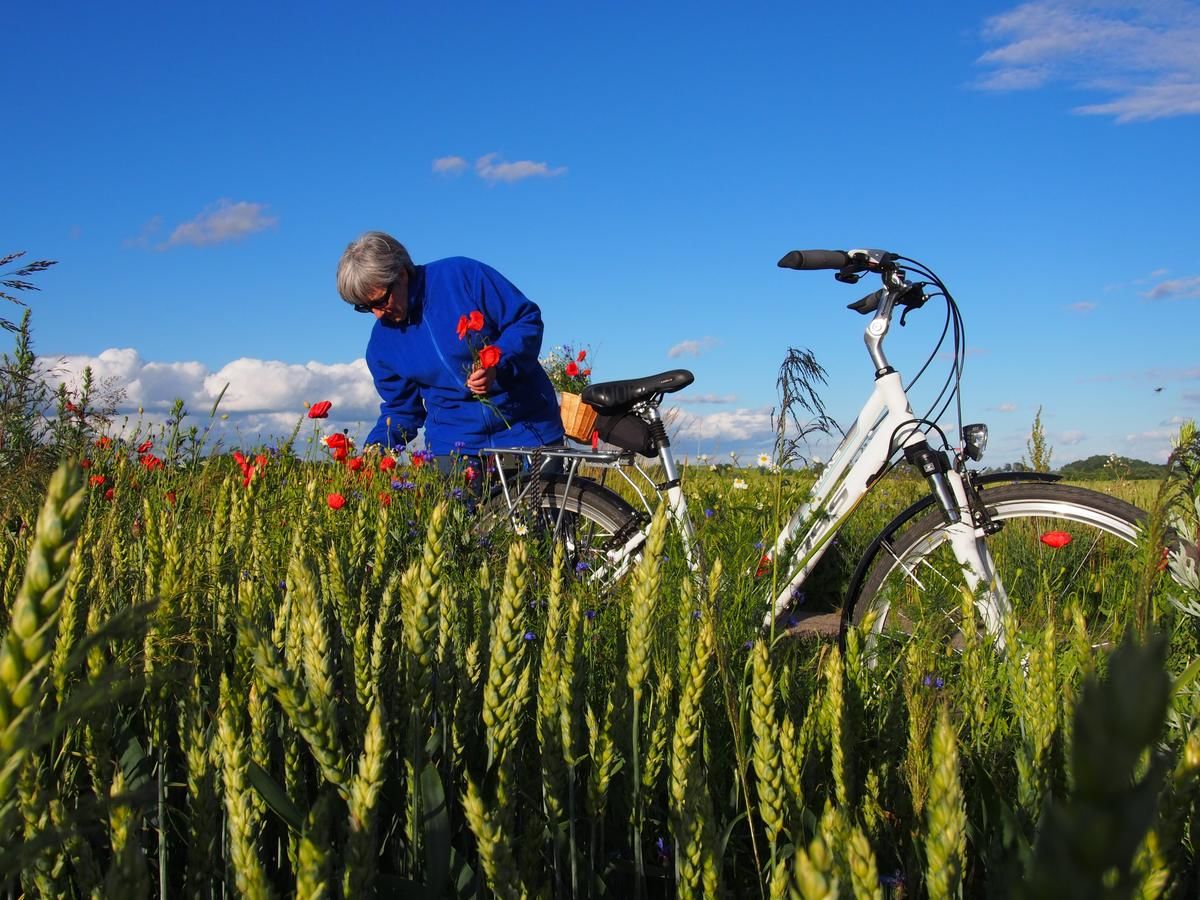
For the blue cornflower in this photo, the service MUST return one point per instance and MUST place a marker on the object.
(799, 597)
(283, 585)
(758, 546)
(934, 681)
(708, 513)
(591, 614)
(747, 645)
(530, 636)
(696, 614)
(582, 566)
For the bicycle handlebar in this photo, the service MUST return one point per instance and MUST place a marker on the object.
(815, 259)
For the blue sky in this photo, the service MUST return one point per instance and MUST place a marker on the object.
(637, 169)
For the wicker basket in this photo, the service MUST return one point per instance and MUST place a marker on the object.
(578, 418)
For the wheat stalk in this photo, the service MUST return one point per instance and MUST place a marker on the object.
(946, 815)
(765, 750)
(26, 647)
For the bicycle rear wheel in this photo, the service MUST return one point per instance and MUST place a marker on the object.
(592, 522)
(1058, 547)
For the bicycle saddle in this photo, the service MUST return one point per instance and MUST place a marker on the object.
(613, 396)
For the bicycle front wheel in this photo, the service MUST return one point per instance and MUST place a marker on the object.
(1058, 548)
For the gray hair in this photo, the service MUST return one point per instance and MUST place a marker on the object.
(372, 261)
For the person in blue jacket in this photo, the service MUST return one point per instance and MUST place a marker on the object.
(431, 322)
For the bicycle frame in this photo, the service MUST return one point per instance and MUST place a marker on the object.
(884, 427)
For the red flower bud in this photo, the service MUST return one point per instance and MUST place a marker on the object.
(489, 356)
(1056, 539)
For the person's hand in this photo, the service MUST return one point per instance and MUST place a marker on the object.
(480, 381)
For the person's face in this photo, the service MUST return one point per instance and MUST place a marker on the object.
(389, 302)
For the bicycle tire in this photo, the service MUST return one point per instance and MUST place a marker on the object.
(593, 521)
(915, 585)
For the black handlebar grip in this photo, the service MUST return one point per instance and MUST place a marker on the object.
(815, 259)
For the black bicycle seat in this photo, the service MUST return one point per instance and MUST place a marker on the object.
(613, 396)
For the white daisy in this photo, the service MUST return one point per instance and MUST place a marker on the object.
(739, 484)
(764, 460)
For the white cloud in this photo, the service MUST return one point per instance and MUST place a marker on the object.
(222, 221)
(489, 169)
(1070, 438)
(692, 347)
(708, 398)
(1083, 306)
(734, 425)
(264, 398)
(1005, 407)
(1176, 288)
(449, 165)
(1142, 53)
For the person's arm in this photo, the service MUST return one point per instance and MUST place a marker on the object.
(401, 412)
(517, 321)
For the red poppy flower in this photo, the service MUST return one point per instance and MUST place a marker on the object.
(319, 410)
(108, 495)
(387, 464)
(461, 328)
(475, 320)
(572, 369)
(385, 498)
(489, 356)
(171, 497)
(239, 458)
(335, 501)
(96, 480)
(336, 441)
(470, 474)
(586, 372)
(340, 454)
(1056, 539)
(103, 442)
(151, 462)
(261, 460)
(354, 464)
(582, 356)
(144, 446)
(85, 463)
(418, 460)
(764, 565)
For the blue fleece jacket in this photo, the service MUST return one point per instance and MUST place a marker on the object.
(421, 366)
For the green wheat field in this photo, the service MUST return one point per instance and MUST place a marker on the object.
(264, 675)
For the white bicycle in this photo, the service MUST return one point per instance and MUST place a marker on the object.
(1016, 541)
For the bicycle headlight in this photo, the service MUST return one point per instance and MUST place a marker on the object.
(974, 440)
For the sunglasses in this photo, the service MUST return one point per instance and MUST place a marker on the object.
(378, 303)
